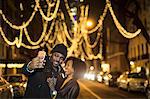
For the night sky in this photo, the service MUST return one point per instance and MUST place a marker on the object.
(96, 8)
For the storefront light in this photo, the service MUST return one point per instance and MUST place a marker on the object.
(131, 63)
(15, 65)
(2, 65)
(11, 65)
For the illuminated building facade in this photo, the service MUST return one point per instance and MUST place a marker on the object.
(119, 51)
(139, 47)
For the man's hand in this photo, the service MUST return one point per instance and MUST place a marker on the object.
(38, 62)
(51, 83)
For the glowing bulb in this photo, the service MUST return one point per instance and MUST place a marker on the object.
(89, 23)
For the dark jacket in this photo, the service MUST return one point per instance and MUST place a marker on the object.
(37, 86)
(69, 91)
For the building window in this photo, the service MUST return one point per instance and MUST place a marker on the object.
(146, 48)
(134, 55)
(138, 52)
(3, 50)
(144, 5)
(0, 50)
(145, 51)
(142, 49)
(130, 53)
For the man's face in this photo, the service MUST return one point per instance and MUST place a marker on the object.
(57, 59)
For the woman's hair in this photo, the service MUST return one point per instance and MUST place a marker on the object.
(79, 67)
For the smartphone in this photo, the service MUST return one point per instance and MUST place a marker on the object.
(41, 55)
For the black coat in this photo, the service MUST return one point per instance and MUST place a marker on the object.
(70, 90)
(37, 86)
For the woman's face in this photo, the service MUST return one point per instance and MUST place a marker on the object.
(68, 68)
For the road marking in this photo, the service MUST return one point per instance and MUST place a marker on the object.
(120, 94)
(86, 88)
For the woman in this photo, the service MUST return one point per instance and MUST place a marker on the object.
(74, 69)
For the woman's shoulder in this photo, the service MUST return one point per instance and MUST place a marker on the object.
(74, 82)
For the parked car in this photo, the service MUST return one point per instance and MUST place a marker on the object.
(100, 76)
(110, 79)
(18, 82)
(90, 75)
(132, 81)
(6, 90)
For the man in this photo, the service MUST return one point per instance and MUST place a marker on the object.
(39, 70)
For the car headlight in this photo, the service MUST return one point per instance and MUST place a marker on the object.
(146, 83)
(85, 75)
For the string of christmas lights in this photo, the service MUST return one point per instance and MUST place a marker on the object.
(78, 37)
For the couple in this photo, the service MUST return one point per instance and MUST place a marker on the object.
(47, 78)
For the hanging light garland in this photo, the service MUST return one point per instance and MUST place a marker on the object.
(78, 38)
(100, 21)
(5, 38)
(21, 26)
(49, 5)
(118, 25)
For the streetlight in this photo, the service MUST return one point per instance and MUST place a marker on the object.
(91, 68)
(89, 24)
(132, 64)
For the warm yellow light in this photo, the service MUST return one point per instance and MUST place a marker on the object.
(138, 69)
(15, 65)
(89, 23)
(78, 37)
(131, 63)
(2, 65)
(11, 65)
(92, 68)
(105, 67)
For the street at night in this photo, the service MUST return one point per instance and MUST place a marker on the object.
(96, 90)
(74, 49)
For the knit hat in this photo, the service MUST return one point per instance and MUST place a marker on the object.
(60, 48)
